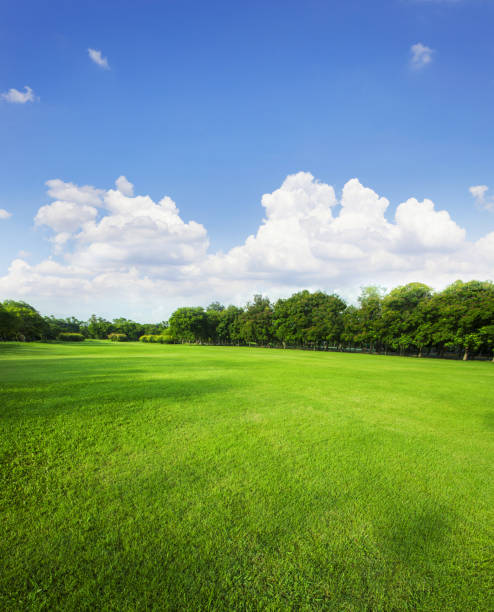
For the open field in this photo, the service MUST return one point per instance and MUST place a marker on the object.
(185, 477)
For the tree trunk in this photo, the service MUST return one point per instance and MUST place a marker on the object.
(465, 355)
(420, 352)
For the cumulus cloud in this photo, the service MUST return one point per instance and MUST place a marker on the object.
(4, 214)
(421, 56)
(111, 246)
(18, 97)
(97, 58)
(65, 216)
(479, 193)
(124, 186)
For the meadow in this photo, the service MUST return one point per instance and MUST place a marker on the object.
(175, 477)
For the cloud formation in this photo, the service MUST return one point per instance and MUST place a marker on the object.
(421, 56)
(98, 58)
(4, 214)
(124, 186)
(111, 247)
(478, 192)
(18, 97)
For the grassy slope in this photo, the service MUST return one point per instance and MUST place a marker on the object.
(148, 476)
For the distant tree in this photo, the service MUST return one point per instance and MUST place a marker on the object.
(129, 328)
(28, 324)
(460, 312)
(402, 315)
(370, 316)
(189, 324)
(57, 326)
(213, 316)
(309, 319)
(7, 324)
(255, 323)
(97, 327)
(351, 326)
(228, 328)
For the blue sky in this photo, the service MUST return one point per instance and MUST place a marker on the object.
(214, 104)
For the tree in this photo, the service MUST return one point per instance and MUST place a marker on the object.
(129, 328)
(189, 324)
(402, 315)
(309, 319)
(460, 312)
(7, 323)
(97, 327)
(213, 316)
(370, 316)
(255, 323)
(28, 324)
(228, 328)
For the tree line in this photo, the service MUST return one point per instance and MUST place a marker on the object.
(410, 319)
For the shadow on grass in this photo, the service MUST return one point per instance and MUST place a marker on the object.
(114, 393)
(489, 421)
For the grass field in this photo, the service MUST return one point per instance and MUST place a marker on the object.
(137, 477)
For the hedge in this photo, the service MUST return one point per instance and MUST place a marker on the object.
(118, 337)
(157, 338)
(70, 337)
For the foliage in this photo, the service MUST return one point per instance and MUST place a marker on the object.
(409, 319)
(26, 322)
(70, 337)
(189, 324)
(114, 337)
(164, 338)
(256, 322)
(314, 319)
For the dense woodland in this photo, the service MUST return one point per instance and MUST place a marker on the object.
(409, 320)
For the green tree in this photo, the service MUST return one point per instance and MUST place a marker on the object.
(402, 313)
(459, 314)
(97, 327)
(189, 324)
(255, 323)
(370, 316)
(28, 324)
(309, 319)
(7, 324)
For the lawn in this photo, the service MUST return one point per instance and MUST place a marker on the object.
(138, 477)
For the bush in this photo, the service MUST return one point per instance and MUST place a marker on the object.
(164, 338)
(118, 337)
(70, 337)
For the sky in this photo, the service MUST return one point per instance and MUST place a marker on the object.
(165, 153)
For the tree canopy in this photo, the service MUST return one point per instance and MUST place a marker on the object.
(409, 319)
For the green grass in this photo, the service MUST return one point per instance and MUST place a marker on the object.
(138, 477)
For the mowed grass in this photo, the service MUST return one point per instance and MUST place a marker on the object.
(139, 477)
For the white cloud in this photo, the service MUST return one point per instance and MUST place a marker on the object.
(130, 255)
(4, 214)
(124, 186)
(97, 58)
(68, 192)
(421, 56)
(64, 216)
(18, 97)
(478, 192)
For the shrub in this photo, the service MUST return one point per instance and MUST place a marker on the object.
(167, 337)
(164, 338)
(118, 337)
(70, 337)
